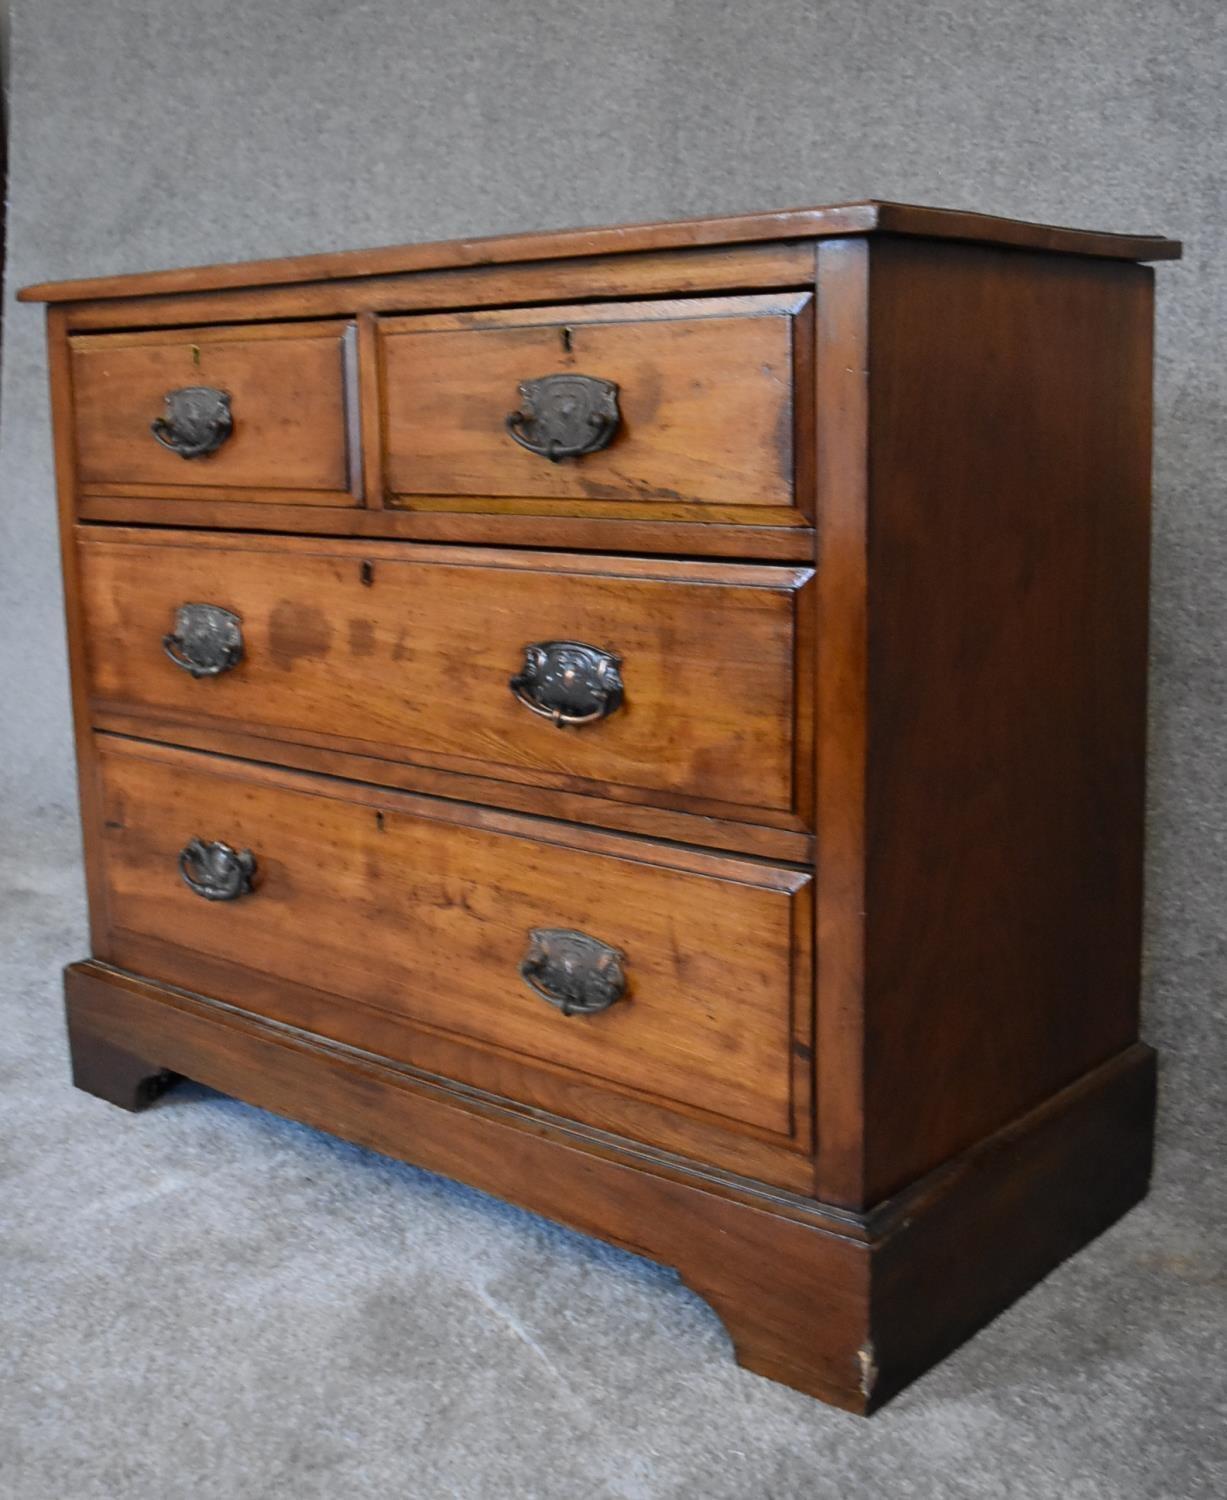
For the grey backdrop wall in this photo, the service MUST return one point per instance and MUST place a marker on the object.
(148, 135)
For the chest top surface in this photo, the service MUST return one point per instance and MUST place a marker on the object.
(867, 217)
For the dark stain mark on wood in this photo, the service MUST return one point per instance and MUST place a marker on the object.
(297, 632)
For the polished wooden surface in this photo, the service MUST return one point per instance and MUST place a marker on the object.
(426, 909)
(867, 827)
(958, 1246)
(1008, 558)
(618, 813)
(799, 223)
(842, 643)
(677, 273)
(63, 448)
(288, 402)
(705, 396)
(376, 651)
(620, 533)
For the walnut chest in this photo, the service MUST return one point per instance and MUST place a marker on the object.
(647, 721)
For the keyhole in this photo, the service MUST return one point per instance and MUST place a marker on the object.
(366, 572)
(566, 340)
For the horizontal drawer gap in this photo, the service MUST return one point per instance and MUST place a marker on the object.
(805, 536)
(802, 868)
(734, 289)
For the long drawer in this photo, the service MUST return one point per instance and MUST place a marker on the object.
(666, 974)
(674, 683)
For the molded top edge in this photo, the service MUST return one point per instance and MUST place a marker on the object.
(866, 217)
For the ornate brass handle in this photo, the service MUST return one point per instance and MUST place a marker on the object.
(216, 871)
(568, 682)
(565, 416)
(578, 974)
(197, 421)
(206, 641)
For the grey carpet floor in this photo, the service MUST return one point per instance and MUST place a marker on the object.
(207, 1301)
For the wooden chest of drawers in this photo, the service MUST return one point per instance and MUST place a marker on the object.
(648, 721)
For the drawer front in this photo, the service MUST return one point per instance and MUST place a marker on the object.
(681, 405)
(487, 927)
(268, 409)
(683, 688)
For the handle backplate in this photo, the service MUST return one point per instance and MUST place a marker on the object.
(216, 871)
(207, 640)
(565, 416)
(572, 971)
(568, 682)
(196, 423)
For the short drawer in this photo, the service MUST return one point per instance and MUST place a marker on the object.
(267, 411)
(647, 680)
(654, 408)
(669, 975)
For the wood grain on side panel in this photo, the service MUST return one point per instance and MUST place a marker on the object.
(842, 362)
(1010, 468)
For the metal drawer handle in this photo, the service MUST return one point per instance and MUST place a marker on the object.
(565, 416)
(206, 641)
(197, 421)
(577, 974)
(216, 871)
(568, 682)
